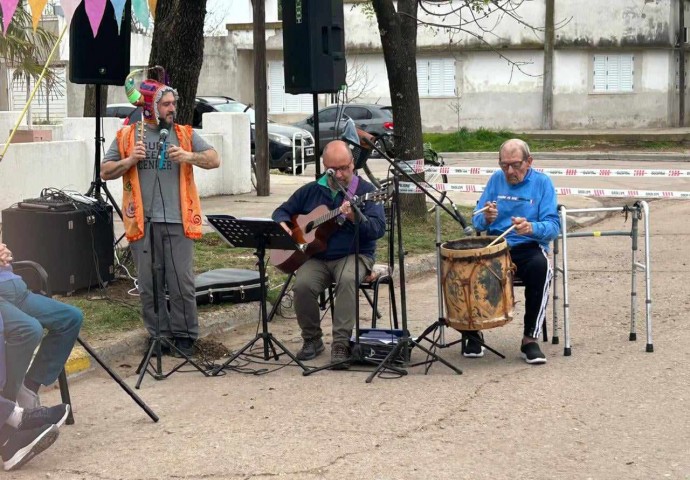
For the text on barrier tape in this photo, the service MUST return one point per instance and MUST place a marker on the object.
(408, 187)
(561, 172)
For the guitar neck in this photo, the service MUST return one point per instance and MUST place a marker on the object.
(326, 218)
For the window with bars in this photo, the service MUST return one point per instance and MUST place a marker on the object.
(613, 73)
(436, 77)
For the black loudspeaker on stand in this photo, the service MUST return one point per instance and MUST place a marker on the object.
(313, 46)
(100, 60)
(103, 60)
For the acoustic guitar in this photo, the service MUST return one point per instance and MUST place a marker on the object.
(312, 231)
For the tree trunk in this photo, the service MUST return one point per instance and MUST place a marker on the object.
(90, 100)
(178, 46)
(398, 32)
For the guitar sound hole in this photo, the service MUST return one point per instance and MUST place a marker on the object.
(310, 227)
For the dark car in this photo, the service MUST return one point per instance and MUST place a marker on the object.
(282, 139)
(374, 119)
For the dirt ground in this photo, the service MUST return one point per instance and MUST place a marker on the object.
(609, 411)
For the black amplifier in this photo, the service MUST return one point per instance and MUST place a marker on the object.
(76, 247)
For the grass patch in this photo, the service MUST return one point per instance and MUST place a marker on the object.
(483, 140)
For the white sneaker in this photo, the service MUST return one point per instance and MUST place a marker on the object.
(27, 399)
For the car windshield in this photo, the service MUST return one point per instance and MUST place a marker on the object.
(235, 107)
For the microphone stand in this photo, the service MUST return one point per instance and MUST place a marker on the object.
(406, 342)
(158, 340)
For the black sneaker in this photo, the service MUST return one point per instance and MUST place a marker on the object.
(340, 354)
(473, 348)
(311, 348)
(23, 445)
(532, 353)
(165, 348)
(37, 417)
(184, 345)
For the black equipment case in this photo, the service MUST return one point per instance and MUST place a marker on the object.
(233, 285)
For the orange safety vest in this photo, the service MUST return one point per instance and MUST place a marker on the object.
(132, 207)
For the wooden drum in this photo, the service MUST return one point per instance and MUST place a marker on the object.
(477, 283)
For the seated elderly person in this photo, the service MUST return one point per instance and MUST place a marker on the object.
(25, 433)
(520, 197)
(25, 315)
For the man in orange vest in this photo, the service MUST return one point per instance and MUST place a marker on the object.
(155, 160)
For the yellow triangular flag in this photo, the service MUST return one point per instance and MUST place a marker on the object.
(37, 7)
(152, 8)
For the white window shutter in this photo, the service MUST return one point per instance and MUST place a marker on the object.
(423, 77)
(599, 71)
(276, 87)
(435, 78)
(448, 77)
(626, 73)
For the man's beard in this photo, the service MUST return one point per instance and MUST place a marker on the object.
(163, 123)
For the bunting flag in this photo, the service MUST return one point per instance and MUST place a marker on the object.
(119, 6)
(141, 11)
(69, 7)
(152, 8)
(37, 7)
(95, 10)
(8, 8)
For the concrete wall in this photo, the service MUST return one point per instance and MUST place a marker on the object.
(69, 164)
(649, 106)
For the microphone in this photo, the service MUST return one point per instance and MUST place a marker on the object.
(163, 137)
(467, 229)
(330, 172)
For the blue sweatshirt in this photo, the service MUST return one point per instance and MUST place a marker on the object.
(534, 198)
(341, 243)
(6, 273)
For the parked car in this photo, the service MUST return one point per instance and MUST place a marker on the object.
(119, 110)
(374, 119)
(281, 138)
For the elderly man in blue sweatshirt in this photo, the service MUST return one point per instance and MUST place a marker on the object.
(337, 263)
(25, 315)
(526, 199)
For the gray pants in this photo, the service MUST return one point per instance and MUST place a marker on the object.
(174, 257)
(313, 278)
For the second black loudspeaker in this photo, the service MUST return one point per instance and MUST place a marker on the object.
(103, 60)
(313, 46)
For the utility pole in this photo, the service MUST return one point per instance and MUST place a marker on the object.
(547, 89)
(263, 179)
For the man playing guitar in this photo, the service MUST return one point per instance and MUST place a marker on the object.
(335, 264)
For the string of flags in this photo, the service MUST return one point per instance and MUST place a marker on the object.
(95, 11)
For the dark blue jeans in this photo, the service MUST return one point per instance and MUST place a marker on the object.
(25, 315)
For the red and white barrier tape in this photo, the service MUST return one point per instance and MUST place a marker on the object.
(560, 172)
(408, 187)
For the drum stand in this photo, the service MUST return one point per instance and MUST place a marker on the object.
(437, 330)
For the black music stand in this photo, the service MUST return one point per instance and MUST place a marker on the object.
(260, 234)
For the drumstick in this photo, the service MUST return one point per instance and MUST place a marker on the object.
(493, 204)
(481, 210)
(141, 130)
(502, 235)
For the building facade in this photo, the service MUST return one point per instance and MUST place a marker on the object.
(613, 64)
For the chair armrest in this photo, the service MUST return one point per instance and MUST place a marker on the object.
(37, 272)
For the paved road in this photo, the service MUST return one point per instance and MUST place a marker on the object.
(609, 411)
